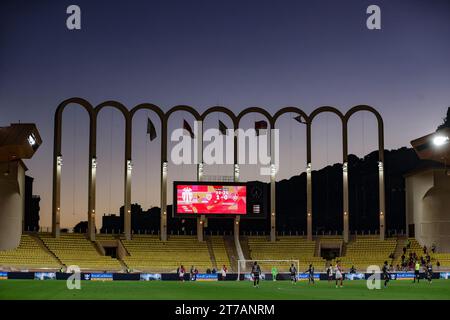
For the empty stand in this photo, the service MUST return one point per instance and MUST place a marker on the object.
(285, 248)
(28, 255)
(148, 253)
(76, 249)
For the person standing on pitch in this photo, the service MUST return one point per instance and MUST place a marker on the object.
(330, 272)
(429, 272)
(256, 271)
(386, 275)
(417, 272)
(181, 272)
(274, 273)
(224, 272)
(191, 274)
(339, 276)
(310, 272)
(293, 271)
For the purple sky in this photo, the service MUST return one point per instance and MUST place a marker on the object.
(203, 53)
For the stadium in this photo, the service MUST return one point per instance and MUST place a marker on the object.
(129, 258)
(201, 152)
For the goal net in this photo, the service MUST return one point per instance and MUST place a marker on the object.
(282, 266)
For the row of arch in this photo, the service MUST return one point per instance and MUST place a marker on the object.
(164, 119)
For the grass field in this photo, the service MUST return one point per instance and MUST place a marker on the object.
(227, 290)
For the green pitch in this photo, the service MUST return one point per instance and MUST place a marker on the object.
(228, 290)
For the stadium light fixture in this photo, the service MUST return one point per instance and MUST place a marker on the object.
(440, 140)
(31, 140)
(59, 161)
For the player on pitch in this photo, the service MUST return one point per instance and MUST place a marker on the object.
(256, 271)
(429, 272)
(417, 272)
(274, 273)
(293, 272)
(386, 275)
(310, 272)
(338, 274)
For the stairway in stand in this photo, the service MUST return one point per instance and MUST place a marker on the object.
(211, 253)
(44, 247)
(230, 248)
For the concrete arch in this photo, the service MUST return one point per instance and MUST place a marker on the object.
(272, 175)
(189, 109)
(335, 111)
(255, 110)
(58, 119)
(113, 104)
(323, 109)
(300, 112)
(127, 174)
(221, 109)
(285, 110)
(163, 181)
(164, 117)
(345, 211)
(57, 156)
(380, 123)
(382, 204)
(148, 106)
(233, 118)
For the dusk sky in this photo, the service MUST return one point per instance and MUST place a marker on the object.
(237, 54)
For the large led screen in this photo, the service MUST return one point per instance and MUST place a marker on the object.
(213, 198)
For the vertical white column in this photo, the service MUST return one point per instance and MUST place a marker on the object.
(345, 201)
(273, 171)
(163, 227)
(91, 204)
(56, 217)
(308, 202)
(237, 219)
(127, 206)
(382, 200)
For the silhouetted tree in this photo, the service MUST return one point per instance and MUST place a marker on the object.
(446, 123)
(81, 227)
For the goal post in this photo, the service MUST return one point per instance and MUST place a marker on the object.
(282, 266)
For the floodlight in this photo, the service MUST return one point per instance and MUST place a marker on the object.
(440, 140)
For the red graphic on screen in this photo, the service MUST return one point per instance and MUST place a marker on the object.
(211, 199)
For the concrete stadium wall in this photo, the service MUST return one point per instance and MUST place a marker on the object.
(428, 207)
(12, 204)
